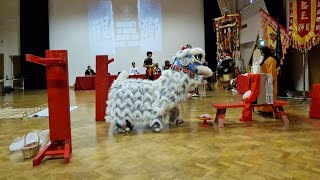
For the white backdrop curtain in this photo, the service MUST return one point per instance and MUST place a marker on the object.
(230, 5)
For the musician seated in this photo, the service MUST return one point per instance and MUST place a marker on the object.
(90, 72)
(148, 64)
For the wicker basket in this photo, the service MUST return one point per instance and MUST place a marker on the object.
(32, 149)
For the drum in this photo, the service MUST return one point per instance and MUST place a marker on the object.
(225, 66)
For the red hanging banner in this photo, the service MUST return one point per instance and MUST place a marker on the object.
(228, 32)
(304, 23)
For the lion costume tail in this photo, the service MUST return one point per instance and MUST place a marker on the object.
(123, 76)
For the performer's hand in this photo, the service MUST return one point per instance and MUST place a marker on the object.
(147, 66)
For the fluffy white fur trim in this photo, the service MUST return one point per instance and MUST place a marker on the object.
(205, 71)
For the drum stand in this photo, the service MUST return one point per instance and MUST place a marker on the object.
(304, 79)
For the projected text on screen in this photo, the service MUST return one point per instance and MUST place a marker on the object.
(118, 24)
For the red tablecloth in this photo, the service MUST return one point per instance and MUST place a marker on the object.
(85, 83)
(88, 82)
(315, 102)
(243, 84)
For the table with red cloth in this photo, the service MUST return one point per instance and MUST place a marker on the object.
(315, 102)
(243, 83)
(88, 82)
(85, 83)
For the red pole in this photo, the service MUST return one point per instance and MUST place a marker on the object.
(56, 63)
(102, 85)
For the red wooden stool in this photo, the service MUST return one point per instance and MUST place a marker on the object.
(205, 119)
(222, 110)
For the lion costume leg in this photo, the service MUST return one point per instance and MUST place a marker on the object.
(157, 124)
(125, 128)
(174, 116)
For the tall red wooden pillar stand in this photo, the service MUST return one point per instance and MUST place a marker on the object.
(56, 63)
(102, 85)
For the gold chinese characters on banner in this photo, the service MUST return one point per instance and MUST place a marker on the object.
(304, 23)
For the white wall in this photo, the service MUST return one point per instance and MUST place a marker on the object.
(9, 34)
(251, 16)
(69, 30)
(243, 3)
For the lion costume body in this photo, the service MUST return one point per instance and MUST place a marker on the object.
(135, 100)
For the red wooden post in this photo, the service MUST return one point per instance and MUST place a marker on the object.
(56, 63)
(102, 85)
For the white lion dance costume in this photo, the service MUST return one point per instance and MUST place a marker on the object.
(135, 100)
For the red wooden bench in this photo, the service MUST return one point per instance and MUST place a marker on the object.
(222, 110)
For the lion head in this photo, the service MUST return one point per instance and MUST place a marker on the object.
(191, 61)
